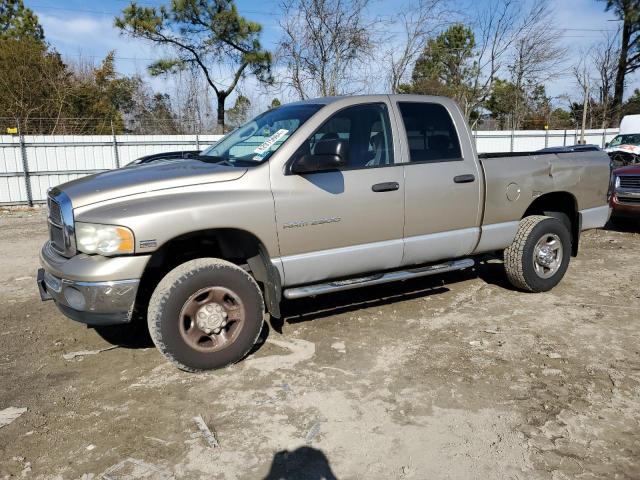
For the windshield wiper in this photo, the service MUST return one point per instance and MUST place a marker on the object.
(214, 159)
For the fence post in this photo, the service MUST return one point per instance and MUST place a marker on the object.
(575, 136)
(116, 157)
(604, 137)
(25, 165)
(564, 140)
(197, 141)
(513, 137)
(546, 138)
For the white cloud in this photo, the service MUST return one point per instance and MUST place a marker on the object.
(93, 37)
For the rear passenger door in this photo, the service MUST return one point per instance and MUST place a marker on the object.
(443, 196)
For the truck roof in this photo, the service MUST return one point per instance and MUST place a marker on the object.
(373, 97)
(630, 124)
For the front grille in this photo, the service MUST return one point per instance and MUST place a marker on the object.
(56, 235)
(60, 223)
(55, 214)
(629, 181)
(629, 200)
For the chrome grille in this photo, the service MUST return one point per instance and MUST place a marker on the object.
(629, 200)
(56, 234)
(61, 232)
(55, 215)
(629, 181)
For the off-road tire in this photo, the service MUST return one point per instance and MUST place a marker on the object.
(182, 282)
(518, 257)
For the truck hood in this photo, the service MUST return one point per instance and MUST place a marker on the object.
(628, 148)
(136, 179)
(630, 169)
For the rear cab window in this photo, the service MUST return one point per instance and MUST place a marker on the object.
(431, 134)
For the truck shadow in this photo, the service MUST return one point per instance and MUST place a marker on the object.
(623, 225)
(304, 463)
(311, 308)
(491, 271)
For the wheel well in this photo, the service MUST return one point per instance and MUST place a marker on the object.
(554, 203)
(234, 245)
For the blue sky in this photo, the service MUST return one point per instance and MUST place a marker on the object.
(85, 28)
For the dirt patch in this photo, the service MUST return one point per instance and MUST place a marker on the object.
(450, 377)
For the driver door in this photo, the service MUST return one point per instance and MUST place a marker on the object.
(349, 221)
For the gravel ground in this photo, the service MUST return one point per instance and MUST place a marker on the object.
(451, 377)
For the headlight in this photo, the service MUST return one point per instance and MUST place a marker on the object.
(104, 239)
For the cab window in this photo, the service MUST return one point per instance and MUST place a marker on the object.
(367, 130)
(431, 135)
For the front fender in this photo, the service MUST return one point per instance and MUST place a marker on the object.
(159, 216)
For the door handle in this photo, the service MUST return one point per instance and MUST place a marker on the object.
(385, 187)
(468, 178)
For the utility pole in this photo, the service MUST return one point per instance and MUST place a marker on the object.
(585, 103)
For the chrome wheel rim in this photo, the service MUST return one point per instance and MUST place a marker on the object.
(211, 319)
(547, 255)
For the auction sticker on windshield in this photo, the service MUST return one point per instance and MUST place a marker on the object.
(265, 146)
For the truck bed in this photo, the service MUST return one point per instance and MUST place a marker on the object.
(569, 149)
(512, 183)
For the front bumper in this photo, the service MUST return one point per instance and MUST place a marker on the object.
(89, 288)
(626, 203)
(93, 303)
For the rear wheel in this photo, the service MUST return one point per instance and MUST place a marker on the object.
(205, 314)
(539, 256)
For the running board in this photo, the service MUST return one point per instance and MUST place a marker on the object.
(338, 285)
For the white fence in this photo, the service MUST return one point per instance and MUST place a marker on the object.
(530, 140)
(30, 164)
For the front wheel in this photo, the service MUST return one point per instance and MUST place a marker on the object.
(205, 314)
(539, 256)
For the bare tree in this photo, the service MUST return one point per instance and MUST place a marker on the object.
(605, 57)
(494, 24)
(192, 102)
(500, 25)
(324, 45)
(537, 56)
(417, 24)
(583, 81)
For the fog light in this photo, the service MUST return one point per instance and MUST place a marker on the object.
(74, 298)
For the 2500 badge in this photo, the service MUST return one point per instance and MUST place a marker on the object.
(307, 223)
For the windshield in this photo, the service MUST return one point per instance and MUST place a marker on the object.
(257, 140)
(632, 139)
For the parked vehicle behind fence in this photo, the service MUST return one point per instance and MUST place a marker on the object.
(307, 199)
(625, 197)
(624, 148)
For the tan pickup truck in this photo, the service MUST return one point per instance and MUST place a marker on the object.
(307, 199)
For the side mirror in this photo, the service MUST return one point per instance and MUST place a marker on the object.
(606, 145)
(330, 154)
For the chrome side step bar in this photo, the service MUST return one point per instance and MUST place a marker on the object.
(338, 285)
